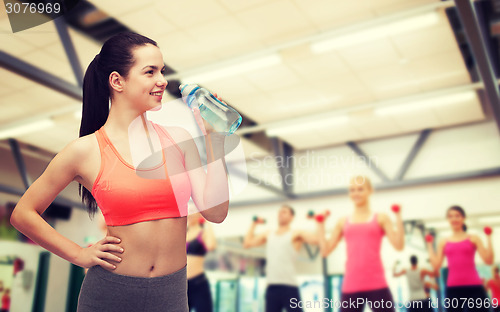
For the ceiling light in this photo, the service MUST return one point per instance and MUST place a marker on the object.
(298, 127)
(377, 32)
(426, 104)
(233, 70)
(26, 128)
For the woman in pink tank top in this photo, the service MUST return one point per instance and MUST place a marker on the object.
(464, 287)
(364, 280)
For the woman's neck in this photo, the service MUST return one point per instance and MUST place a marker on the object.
(362, 208)
(120, 117)
(458, 232)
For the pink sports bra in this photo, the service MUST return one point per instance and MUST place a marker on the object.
(125, 197)
(461, 267)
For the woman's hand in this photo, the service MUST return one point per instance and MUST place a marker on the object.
(98, 253)
(205, 127)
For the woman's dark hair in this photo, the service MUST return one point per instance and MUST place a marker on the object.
(413, 260)
(116, 55)
(461, 211)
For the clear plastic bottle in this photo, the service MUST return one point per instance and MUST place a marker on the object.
(220, 116)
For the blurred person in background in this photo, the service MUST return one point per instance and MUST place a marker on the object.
(363, 232)
(200, 239)
(460, 249)
(282, 247)
(416, 285)
(5, 301)
(493, 285)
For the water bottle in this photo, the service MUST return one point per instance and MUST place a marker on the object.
(220, 116)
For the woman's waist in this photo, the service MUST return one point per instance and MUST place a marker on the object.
(143, 263)
(158, 234)
(151, 248)
(354, 284)
(366, 264)
(136, 278)
(193, 260)
(463, 277)
(195, 265)
(363, 278)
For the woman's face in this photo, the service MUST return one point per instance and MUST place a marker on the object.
(456, 219)
(359, 192)
(145, 84)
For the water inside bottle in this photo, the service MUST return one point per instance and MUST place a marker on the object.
(220, 116)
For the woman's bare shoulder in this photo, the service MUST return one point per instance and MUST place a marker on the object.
(71, 160)
(341, 221)
(84, 144)
(81, 148)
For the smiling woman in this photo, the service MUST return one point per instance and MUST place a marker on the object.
(463, 283)
(141, 264)
(364, 279)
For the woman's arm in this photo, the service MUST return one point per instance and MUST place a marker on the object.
(328, 246)
(436, 259)
(26, 216)
(210, 190)
(396, 236)
(486, 253)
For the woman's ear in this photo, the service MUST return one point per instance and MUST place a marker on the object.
(116, 81)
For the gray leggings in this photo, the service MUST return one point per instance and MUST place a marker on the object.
(105, 291)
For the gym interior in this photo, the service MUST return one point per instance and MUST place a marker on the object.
(403, 92)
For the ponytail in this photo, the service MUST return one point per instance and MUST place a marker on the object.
(116, 55)
(95, 112)
(95, 99)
